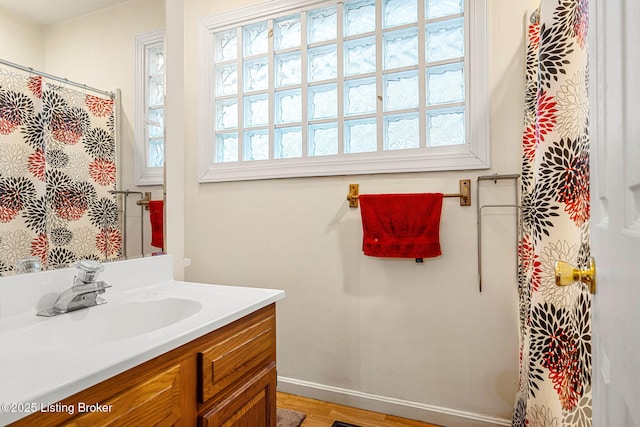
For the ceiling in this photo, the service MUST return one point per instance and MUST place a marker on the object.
(48, 12)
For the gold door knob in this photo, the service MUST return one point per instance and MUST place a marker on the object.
(567, 274)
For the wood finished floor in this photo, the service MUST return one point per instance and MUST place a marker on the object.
(323, 414)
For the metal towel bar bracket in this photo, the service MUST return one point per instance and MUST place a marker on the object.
(464, 195)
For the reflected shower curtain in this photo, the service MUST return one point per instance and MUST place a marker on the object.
(555, 323)
(57, 165)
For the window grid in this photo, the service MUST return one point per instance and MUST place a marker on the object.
(388, 114)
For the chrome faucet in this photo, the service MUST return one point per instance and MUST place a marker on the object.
(83, 293)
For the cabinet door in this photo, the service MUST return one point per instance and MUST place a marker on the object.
(253, 404)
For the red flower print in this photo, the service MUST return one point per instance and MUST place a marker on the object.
(561, 360)
(530, 143)
(534, 35)
(37, 165)
(7, 126)
(40, 248)
(530, 262)
(99, 106)
(35, 86)
(70, 205)
(8, 214)
(546, 117)
(103, 171)
(65, 129)
(109, 241)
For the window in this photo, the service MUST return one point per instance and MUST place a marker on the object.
(312, 88)
(150, 108)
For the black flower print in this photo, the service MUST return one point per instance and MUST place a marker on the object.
(538, 211)
(100, 144)
(554, 50)
(61, 236)
(57, 158)
(104, 213)
(61, 258)
(15, 107)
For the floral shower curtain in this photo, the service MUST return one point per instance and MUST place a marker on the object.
(555, 323)
(57, 165)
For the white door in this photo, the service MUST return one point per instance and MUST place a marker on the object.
(615, 201)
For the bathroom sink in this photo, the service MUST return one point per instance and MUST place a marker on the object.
(109, 322)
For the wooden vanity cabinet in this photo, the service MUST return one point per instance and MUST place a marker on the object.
(225, 378)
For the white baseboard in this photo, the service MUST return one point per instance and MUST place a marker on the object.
(388, 405)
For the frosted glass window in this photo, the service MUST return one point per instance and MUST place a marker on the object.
(288, 143)
(227, 79)
(446, 127)
(256, 145)
(438, 8)
(401, 91)
(360, 96)
(323, 102)
(256, 39)
(288, 105)
(156, 153)
(226, 147)
(313, 88)
(322, 25)
(445, 84)
(445, 40)
(359, 17)
(323, 63)
(256, 74)
(288, 69)
(156, 91)
(287, 32)
(400, 48)
(399, 12)
(156, 60)
(323, 139)
(227, 114)
(226, 45)
(360, 56)
(402, 132)
(156, 123)
(360, 136)
(256, 110)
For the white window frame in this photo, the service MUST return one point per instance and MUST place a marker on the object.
(474, 154)
(144, 174)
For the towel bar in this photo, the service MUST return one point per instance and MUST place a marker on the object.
(464, 195)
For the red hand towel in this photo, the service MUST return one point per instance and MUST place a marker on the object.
(156, 215)
(401, 225)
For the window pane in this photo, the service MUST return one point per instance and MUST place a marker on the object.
(359, 17)
(156, 123)
(323, 63)
(156, 91)
(323, 139)
(446, 127)
(398, 12)
(401, 91)
(288, 142)
(256, 145)
(360, 56)
(156, 153)
(400, 48)
(256, 110)
(445, 84)
(256, 39)
(322, 25)
(287, 32)
(226, 147)
(227, 114)
(401, 132)
(360, 96)
(323, 102)
(288, 69)
(256, 74)
(360, 136)
(437, 8)
(226, 45)
(445, 40)
(226, 79)
(156, 60)
(288, 106)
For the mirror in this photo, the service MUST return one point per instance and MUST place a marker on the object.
(65, 149)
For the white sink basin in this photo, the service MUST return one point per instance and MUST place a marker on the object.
(109, 322)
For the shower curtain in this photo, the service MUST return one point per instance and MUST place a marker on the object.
(555, 323)
(57, 165)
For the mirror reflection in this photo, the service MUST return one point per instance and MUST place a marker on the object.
(69, 188)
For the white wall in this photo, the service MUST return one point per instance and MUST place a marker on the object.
(21, 40)
(419, 340)
(98, 49)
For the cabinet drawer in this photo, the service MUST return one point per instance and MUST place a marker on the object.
(247, 349)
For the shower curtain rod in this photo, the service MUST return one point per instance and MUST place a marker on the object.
(59, 79)
(535, 16)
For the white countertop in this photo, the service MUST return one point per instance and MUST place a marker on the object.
(40, 367)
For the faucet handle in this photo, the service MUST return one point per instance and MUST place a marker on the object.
(88, 270)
